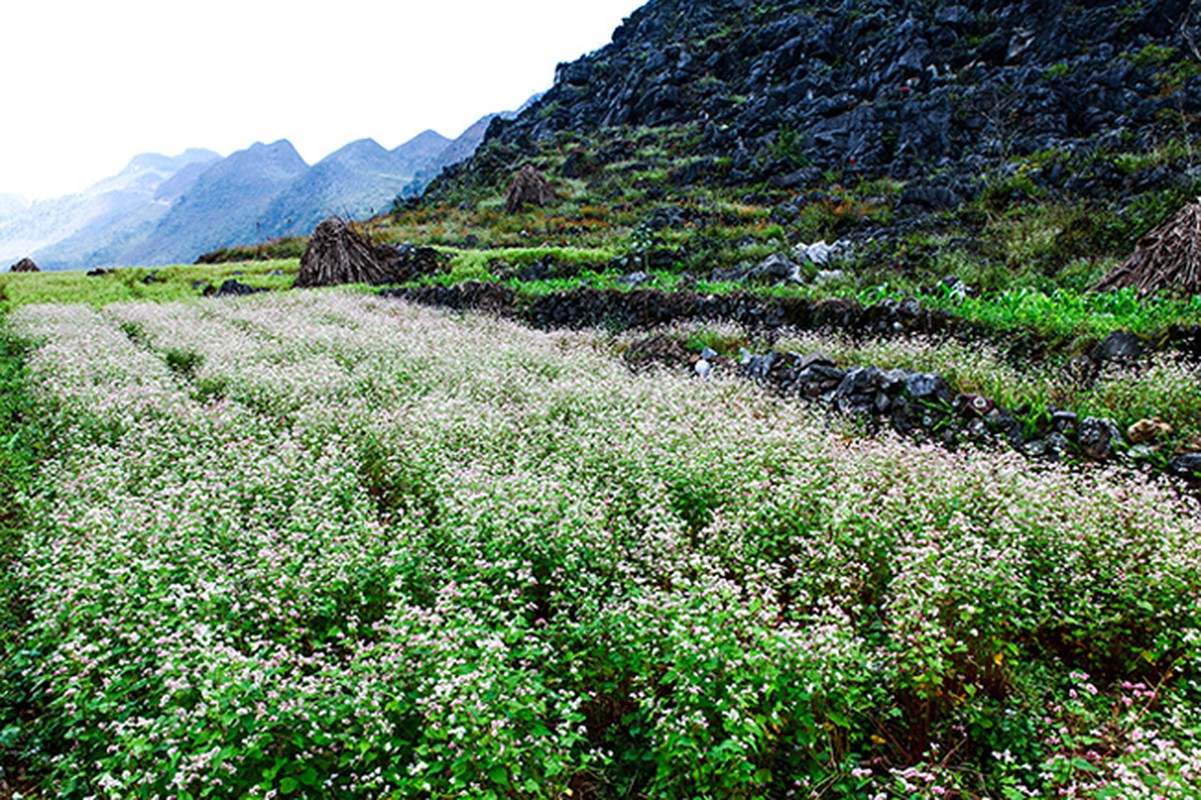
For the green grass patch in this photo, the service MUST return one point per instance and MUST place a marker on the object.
(1064, 315)
(21, 444)
(162, 284)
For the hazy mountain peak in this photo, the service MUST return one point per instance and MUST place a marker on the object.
(169, 164)
(358, 148)
(427, 138)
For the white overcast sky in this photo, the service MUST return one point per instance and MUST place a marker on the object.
(87, 85)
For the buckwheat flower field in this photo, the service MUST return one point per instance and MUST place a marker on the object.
(325, 545)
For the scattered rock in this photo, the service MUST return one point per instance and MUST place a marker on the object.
(1064, 421)
(953, 287)
(1004, 424)
(974, 405)
(817, 379)
(150, 277)
(24, 265)
(234, 288)
(408, 261)
(928, 387)
(819, 253)
(1058, 447)
(1148, 430)
(96, 273)
(1187, 465)
(776, 268)
(759, 367)
(918, 198)
(1142, 452)
(633, 279)
(1097, 438)
(1121, 347)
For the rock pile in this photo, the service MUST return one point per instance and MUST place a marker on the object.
(24, 265)
(921, 405)
(925, 407)
(587, 307)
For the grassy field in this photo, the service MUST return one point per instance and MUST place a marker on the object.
(162, 284)
(318, 544)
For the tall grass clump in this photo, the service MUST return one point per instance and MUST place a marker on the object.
(408, 554)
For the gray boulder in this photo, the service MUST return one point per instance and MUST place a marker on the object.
(1097, 438)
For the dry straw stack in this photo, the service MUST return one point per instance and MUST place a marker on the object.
(337, 255)
(528, 187)
(1168, 259)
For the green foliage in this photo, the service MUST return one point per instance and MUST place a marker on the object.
(1152, 55)
(469, 266)
(21, 445)
(721, 342)
(1014, 186)
(1062, 315)
(789, 145)
(183, 362)
(1059, 71)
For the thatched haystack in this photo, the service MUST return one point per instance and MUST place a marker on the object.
(528, 187)
(24, 265)
(337, 254)
(1168, 259)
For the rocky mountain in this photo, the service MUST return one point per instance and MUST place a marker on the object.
(225, 203)
(356, 181)
(458, 150)
(794, 95)
(161, 210)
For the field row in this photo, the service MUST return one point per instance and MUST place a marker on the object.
(321, 544)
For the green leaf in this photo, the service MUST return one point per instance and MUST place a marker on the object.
(841, 720)
(499, 775)
(1084, 765)
(288, 786)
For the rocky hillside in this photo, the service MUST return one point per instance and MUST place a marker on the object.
(796, 95)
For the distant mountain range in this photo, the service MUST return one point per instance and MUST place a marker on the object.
(163, 210)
